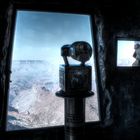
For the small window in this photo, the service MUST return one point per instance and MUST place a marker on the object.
(35, 64)
(128, 52)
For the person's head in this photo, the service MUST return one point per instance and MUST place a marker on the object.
(137, 51)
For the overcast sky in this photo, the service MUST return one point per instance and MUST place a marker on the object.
(40, 35)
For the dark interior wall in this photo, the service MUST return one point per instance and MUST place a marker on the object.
(119, 89)
(122, 84)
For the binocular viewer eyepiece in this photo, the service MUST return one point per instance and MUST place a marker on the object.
(80, 51)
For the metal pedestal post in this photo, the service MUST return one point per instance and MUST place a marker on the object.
(74, 116)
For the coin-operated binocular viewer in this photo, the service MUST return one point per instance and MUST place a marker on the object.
(75, 83)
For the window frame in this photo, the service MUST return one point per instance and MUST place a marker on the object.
(77, 8)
